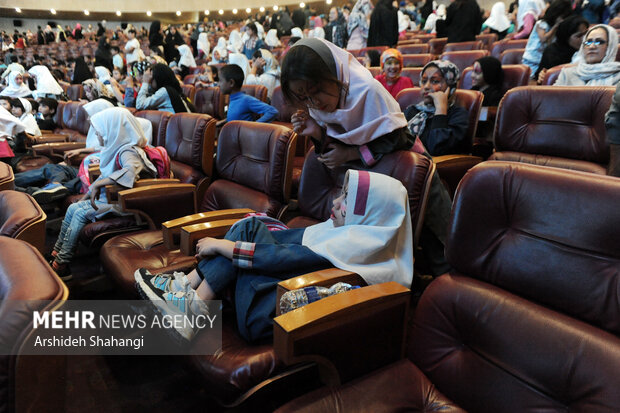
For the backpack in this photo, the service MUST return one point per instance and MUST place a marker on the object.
(158, 155)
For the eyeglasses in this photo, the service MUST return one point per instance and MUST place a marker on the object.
(312, 91)
(594, 42)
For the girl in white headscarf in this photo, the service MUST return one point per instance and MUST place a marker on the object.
(596, 60)
(265, 71)
(22, 109)
(272, 39)
(47, 86)
(186, 59)
(9, 124)
(203, 45)
(529, 11)
(240, 60)
(235, 44)
(498, 21)
(122, 162)
(296, 32)
(368, 233)
(431, 22)
(17, 87)
(220, 52)
(317, 32)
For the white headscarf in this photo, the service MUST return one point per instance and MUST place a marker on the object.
(147, 128)
(235, 44)
(272, 38)
(28, 120)
(203, 43)
(46, 84)
(317, 33)
(103, 74)
(533, 7)
(403, 21)
(221, 49)
(120, 131)
(240, 60)
(375, 240)
(498, 20)
(605, 73)
(296, 32)
(92, 108)
(13, 90)
(186, 59)
(260, 29)
(442, 12)
(366, 109)
(9, 124)
(271, 64)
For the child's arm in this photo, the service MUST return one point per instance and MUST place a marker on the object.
(154, 101)
(268, 112)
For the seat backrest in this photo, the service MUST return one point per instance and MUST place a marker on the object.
(374, 70)
(424, 38)
(416, 60)
(514, 75)
(21, 217)
(471, 100)
(461, 46)
(159, 119)
(565, 122)
(285, 110)
(413, 49)
(254, 168)
(532, 303)
(258, 91)
(74, 117)
(7, 178)
(75, 92)
(463, 59)
(319, 185)
(190, 79)
(190, 141)
(189, 91)
(380, 49)
(511, 56)
(487, 39)
(499, 47)
(552, 74)
(58, 114)
(412, 73)
(209, 100)
(436, 45)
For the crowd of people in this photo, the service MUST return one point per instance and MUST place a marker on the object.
(352, 118)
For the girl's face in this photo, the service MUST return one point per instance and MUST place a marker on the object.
(595, 46)
(323, 96)
(117, 75)
(576, 38)
(432, 81)
(477, 77)
(17, 111)
(392, 69)
(19, 80)
(5, 104)
(339, 208)
(88, 92)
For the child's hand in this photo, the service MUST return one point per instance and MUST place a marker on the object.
(212, 246)
(337, 154)
(541, 76)
(440, 101)
(72, 153)
(305, 125)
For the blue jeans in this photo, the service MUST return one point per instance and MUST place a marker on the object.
(76, 218)
(66, 175)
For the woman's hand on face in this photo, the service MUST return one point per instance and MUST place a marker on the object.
(440, 101)
(337, 154)
(303, 124)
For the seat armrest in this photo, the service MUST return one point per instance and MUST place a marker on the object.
(321, 278)
(347, 334)
(452, 168)
(113, 190)
(171, 230)
(190, 234)
(220, 123)
(56, 148)
(154, 203)
(93, 172)
(48, 138)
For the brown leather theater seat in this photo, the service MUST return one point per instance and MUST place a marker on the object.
(465, 58)
(416, 60)
(511, 56)
(463, 46)
(528, 318)
(7, 178)
(27, 383)
(413, 49)
(210, 101)
(514, 75)
(552, 74)
(22, 218)
(563, 127)
(487, 39)
(435, 46)
(499, 47)
(260, 92)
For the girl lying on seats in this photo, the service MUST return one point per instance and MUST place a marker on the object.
(369, 233)
(122, 161)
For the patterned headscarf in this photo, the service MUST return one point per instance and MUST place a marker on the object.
(450, 73)
(98, 88)
(391, 53)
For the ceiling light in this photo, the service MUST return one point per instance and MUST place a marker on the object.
(178, 12)
(328, 1)
(275, 8)
(86, 12)
(17, 9)
(53, 11)
(262, 9)
(248, 10)
(118, 13)
(234, 11)
(302, 5)
(221, 11)
(148, 13)
(207, 12)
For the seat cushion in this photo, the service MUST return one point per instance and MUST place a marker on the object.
(122, 255)
(553, 161)
(18, 211)
(399, 387)
(237, 366)
(302, 222)
(97, 233)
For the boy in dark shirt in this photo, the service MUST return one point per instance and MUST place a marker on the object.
(47, 110)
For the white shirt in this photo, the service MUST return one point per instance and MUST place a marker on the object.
(135, 55)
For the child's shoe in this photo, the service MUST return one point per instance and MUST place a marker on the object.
(148, 283)
(62, 270)
(185, 303)
(50, 193)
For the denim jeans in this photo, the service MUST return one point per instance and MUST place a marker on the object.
(66, 175)
(78, 215)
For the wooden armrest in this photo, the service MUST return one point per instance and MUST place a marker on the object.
(192, 233)
(93, 172)
(171, 230)
(48, 138)
(347, 334)
(113, 190)
(56, 148)
(149, 202)
(220, 123)
(46, 131)
(456, 160)
(322, 278)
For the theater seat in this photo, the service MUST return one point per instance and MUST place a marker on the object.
(159, 119)
(514, 75)
(554, 126)
(552, 74)
(413, 49)
(75, 92)
(189, 91)
(210, 101)
(499, 47)
(527, 316)
(254, 164)
(7, 179)
(260, 92)
(416, 60)
(28, 383)
(22, 218)
(413, 73)
(487, 39)
(463, 59)
(463, 46)
(511, 56)
(435, 46)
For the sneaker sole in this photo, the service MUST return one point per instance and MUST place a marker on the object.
(50, 195)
